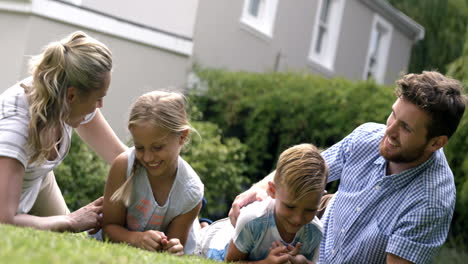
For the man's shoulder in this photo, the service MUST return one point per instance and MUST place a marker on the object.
(366, 136)
(370, 128)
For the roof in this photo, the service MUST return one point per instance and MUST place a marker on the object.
(407, 25)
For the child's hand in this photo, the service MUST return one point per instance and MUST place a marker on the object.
(294, 256)
(150, 240)
(298, 259)
(293, 251)
(173, 246)
(278, 254)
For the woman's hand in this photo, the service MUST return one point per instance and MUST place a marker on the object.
(87, 217)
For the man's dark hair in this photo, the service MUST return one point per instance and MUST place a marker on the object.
(440, 96)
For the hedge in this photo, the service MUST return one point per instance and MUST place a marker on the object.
(272, 111)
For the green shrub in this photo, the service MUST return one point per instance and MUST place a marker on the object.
(82, 175)
(455, 151)
(270, 112)
(221, 166)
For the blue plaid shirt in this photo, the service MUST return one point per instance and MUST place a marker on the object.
(406, 214)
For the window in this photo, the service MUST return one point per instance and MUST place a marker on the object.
(379, 46)
(326, 32)
(260, 15)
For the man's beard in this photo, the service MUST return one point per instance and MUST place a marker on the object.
(401, 156)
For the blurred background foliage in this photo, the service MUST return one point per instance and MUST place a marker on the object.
(445, 22)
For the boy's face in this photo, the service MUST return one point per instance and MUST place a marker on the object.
(291, 215)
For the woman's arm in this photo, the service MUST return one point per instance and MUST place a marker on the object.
(11, 178)
(115, 213)
(101, 138)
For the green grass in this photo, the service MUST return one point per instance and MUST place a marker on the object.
(26, 245)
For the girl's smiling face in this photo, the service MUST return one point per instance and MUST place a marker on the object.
(157, 149)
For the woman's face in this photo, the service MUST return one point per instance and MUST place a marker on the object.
(80, 106)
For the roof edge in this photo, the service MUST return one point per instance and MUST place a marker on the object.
(404, 22)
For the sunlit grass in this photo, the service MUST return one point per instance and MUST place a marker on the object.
(25, 245)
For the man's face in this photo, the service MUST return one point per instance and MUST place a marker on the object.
(405, 137)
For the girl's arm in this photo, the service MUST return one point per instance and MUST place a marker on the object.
(180, 225)
(115, 213)
(101, 138)
(276, 255)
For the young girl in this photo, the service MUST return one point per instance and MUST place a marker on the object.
(282, 229)
(152, 195)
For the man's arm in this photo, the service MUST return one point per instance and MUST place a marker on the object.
(394, 259)
(257, 192)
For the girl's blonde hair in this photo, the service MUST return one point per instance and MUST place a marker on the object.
(77, 60)
(302, 170)
(166, 110)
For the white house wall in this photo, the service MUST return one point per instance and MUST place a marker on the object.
(137, 68)
(220, 40)
(175, 16)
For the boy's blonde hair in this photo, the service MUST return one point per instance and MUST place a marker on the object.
(302, 170)
(166, 110)
(77, 60)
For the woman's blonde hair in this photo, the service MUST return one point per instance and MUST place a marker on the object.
(166, 110)
(302, 170)
(77, 60)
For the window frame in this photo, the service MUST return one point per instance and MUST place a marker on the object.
(383, 50)
(329, 43)
(263, 23)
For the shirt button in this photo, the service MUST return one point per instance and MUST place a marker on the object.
(358, 209)
(333, 251)
(342, 230)
(377, 187)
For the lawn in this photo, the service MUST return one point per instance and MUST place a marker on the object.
(25, 245)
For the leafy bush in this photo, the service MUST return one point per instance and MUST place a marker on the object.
(455, 151)
(270, 112)
(82, 175)
(220, 165)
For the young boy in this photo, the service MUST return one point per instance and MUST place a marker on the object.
(281, 229)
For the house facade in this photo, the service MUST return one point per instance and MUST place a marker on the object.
(354, 39)
(148, 53)
(155, 42)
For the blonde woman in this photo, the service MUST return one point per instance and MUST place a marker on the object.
(152, 195)
(69, 81)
